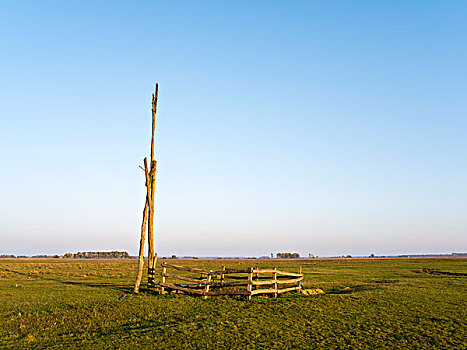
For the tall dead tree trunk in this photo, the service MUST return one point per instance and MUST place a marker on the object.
(151, 255)
(148, 212)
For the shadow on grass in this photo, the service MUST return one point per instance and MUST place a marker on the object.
(441, 273)
(354, 289)
(118, 287)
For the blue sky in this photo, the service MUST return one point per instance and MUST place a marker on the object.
(324, 127)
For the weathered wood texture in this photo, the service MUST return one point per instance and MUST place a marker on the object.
(276, 281)
(205, 286)
(185, 289)
(206, 272)
(148, 203)
(205, 281)
(283, 273)
(148, 212)
(152, 179)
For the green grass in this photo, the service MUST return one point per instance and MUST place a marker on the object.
(372, 303)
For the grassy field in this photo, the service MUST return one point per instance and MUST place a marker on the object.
(369, 303)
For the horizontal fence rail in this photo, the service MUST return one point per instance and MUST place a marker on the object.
(208, 283)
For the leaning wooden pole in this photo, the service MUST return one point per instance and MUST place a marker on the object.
(147, 204)
(152, 179)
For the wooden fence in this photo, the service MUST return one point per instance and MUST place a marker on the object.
(248, 282)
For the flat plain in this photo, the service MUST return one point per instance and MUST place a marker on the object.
(409, 303)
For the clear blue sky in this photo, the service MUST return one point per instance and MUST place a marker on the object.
(328, 127)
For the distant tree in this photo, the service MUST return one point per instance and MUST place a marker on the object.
(98, 255)
(288, 255)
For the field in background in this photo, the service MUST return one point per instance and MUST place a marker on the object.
(369, 303)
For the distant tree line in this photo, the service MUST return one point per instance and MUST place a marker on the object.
(97, 255)
(287, 255)
(11, 256)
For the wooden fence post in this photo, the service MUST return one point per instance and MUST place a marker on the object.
(250, 283)
(300, 285)
(256, 277)
(154, 262)
(223, 276)
(206, 288)
(275, 281)
(164, 270)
